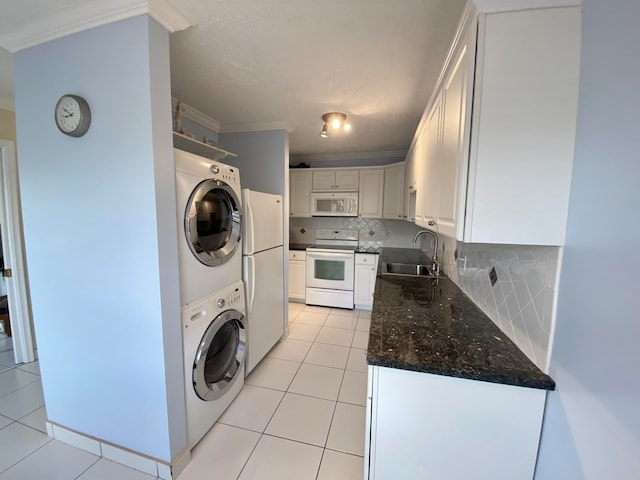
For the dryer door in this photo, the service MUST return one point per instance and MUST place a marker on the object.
(219, 356)
(212, 222)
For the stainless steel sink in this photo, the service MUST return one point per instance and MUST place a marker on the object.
(407, 269)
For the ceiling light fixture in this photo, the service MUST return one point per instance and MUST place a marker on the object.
(336, 120)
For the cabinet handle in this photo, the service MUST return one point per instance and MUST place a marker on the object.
(431, 223)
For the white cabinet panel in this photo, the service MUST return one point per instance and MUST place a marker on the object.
(503, 176)
(393, 198)
(370, 193)
(524, 126)
(297, 261)
(420, 425)
(326, 179)
(366, 266)
(452, 156)
(299, 193)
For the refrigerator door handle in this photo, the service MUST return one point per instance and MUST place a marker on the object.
(249, 220)
(251, 278)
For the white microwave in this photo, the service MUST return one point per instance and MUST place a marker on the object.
(334, 204)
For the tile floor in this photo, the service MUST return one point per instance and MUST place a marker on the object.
(301, 415)
(6, 353)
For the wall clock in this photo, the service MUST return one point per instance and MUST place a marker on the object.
(73, 115)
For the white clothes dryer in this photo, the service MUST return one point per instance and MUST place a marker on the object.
(214, 345)
(209, 225)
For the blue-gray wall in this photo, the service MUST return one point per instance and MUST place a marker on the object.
(592, 423)
(263, 159)
(100, 234)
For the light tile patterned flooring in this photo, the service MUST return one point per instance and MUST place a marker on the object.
(300, 415)
(6, 353)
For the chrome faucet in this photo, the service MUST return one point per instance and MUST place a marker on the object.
(435, 266)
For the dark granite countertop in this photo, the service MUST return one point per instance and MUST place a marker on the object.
(430, 325)
(299, 246)
(374, 250)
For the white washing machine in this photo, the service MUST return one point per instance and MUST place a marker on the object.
(214, 345)
(209, 225)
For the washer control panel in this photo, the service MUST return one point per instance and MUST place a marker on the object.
(230, 298)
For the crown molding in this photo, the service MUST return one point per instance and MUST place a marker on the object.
(257, 127)
(324, 157)
(167, 15)
(88, 14)
(197, 116)
(495, 6)
(7, 103)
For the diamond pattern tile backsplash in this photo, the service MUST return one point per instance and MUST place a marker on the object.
(522, 300)
(373, 232)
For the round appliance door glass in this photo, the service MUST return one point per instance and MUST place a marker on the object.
(219, 356)
(212, 222)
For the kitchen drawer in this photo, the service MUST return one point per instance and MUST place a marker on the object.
(366, 259)
(300, 255)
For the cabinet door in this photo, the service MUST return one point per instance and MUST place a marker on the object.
(324, 180)
(429, 184)
(296, 279)
(299, 193)
(365, 282)
(346, 180)
(371, 191)
(409, 194)
(453, 157)
(393, 198)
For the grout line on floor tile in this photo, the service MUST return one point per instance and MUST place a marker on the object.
(28, 455)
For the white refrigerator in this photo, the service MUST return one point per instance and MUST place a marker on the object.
(263, 273)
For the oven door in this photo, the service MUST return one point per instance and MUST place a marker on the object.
(333, 270)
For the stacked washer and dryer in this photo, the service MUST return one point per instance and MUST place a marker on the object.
(211, 288)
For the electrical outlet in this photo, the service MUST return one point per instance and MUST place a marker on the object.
(493, 276)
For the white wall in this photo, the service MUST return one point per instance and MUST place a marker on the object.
(592, 422)
(100, 235)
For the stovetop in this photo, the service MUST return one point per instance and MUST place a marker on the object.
(336, 240)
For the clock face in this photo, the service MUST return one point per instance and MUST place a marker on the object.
(72, 115)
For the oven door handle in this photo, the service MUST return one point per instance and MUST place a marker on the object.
(331, 255)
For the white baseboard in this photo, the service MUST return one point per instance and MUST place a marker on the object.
(137, 461)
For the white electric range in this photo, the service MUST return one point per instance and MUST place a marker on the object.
(330, 268)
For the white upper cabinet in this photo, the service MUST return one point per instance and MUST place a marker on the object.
(393, 198)
(370, 193)
(326, 179)
(299, 193)
(431, 139)
(500, 156)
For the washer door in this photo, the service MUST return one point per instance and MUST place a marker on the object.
(219, 356)
(212, 222)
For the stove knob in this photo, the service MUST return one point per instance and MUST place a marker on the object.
(221, 303)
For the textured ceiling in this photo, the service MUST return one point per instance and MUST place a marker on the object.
(252, 64)
(249, 62)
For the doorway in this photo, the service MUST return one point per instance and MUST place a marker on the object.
(13, 282)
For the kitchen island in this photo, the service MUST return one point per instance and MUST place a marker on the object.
(450, 396)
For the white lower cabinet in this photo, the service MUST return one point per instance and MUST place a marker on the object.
(366, 266)
(297, 261)
(421, 425)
